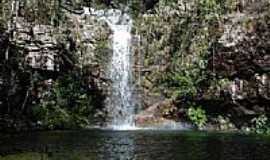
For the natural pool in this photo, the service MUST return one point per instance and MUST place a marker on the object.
(129, 145)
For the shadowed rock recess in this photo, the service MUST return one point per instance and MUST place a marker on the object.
(204, 63)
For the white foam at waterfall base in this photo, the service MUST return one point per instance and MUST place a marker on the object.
(165, 126)
(125, 127)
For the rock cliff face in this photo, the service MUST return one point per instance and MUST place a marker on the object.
(223, 54)
(242, 55)
(211, 53)
(45, 47)
(40, 52)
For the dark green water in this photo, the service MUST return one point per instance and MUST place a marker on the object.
(140, 145)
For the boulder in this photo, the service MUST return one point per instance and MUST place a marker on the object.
(153, 114)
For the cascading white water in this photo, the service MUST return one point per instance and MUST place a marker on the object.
(119, 103)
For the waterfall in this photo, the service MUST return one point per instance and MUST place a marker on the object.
(120, 103)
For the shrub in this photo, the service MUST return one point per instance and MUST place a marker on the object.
(197, 115)
(261, 125)
(66, 105)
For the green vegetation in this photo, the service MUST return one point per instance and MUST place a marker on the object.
(65, 105)
(184, 40)
(212, 54)
(261, 125)
(65, 96)
(197, 116)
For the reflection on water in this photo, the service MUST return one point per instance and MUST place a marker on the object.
(121, 148)
(138, 145)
